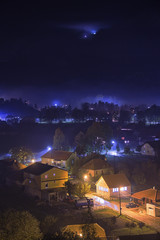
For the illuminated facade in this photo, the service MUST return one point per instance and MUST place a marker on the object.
(108, 186)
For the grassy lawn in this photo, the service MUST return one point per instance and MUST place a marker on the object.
(133, 231)
(105, 213)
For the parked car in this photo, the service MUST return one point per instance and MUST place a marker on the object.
(131, 205)
(84, 202)
(71, 199)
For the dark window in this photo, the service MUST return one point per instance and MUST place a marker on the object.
(46, 185)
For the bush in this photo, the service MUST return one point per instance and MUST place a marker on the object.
(141, 224)
(113, 220)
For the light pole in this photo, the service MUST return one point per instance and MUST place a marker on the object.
(120, 201)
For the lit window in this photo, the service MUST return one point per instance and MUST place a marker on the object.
(30, 181)
(123, 188)
(54, 174)
(115, 189)
(46, 176)
(103, 189)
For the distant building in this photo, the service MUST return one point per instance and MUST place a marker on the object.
(108, 186)
(151, 195)
(58, 158)
(78, 229)
(97, 167)
(44, 181)
(151, 148)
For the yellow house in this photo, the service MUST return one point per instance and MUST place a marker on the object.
(78, 229)
(39, 177)
(58, 158)
(113, 186)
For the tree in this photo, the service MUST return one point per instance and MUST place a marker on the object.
(117, 148)
(49, 226)
(16, 225)
(98, 136)
(81, 189)
(59, 139)
(69, 187)
(89, 233)
(21, 154)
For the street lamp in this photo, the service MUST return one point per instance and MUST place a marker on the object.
(33, 160)
(85, 177)
(120, 209)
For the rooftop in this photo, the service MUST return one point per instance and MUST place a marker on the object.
(151, 193)
(37, 168)
(57, 155)
(77, 228)
(116, 180)
(96, 164)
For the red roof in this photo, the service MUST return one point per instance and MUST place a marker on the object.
(115, 180)
(57, 155)
(151, 193)
(96, 164)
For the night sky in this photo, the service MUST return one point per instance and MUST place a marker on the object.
(71, 52)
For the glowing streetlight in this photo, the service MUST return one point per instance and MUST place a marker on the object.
(85, 177)
(49, 148)
(33, 160)
(80, 235)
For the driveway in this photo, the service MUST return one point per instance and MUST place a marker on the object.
(143, 217)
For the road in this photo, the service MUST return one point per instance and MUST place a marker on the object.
(143, 217)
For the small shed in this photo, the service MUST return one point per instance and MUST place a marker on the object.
(153, 210)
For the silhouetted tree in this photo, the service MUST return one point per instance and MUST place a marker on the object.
(16, 225)
(59, 139)
(21, 154)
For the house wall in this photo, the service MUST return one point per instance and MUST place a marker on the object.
(102, 183)
(49, 161)
(146, 149)
(123, 194)
(37, 179)
(110, 193)
(54, 178)
(61, 163)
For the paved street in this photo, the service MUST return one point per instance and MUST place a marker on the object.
(143, 217)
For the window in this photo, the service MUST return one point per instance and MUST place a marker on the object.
(103, 189)
(123, 189)
(54, 174)
(30, 181)
(46, 176)
(46, 186)
(115, 189)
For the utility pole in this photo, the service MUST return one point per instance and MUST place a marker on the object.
(120, 201)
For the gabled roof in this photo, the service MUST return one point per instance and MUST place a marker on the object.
(38, 168)
(57, 155)
(115, 180)
(96, 164)
(154, 144)
(151, 193)
(77, 228)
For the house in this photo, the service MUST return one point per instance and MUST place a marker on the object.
(151, 195)
(151, 148)
(78, 229)
(97, 167)
(113, 186)
(58, 158)
(44, 181)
